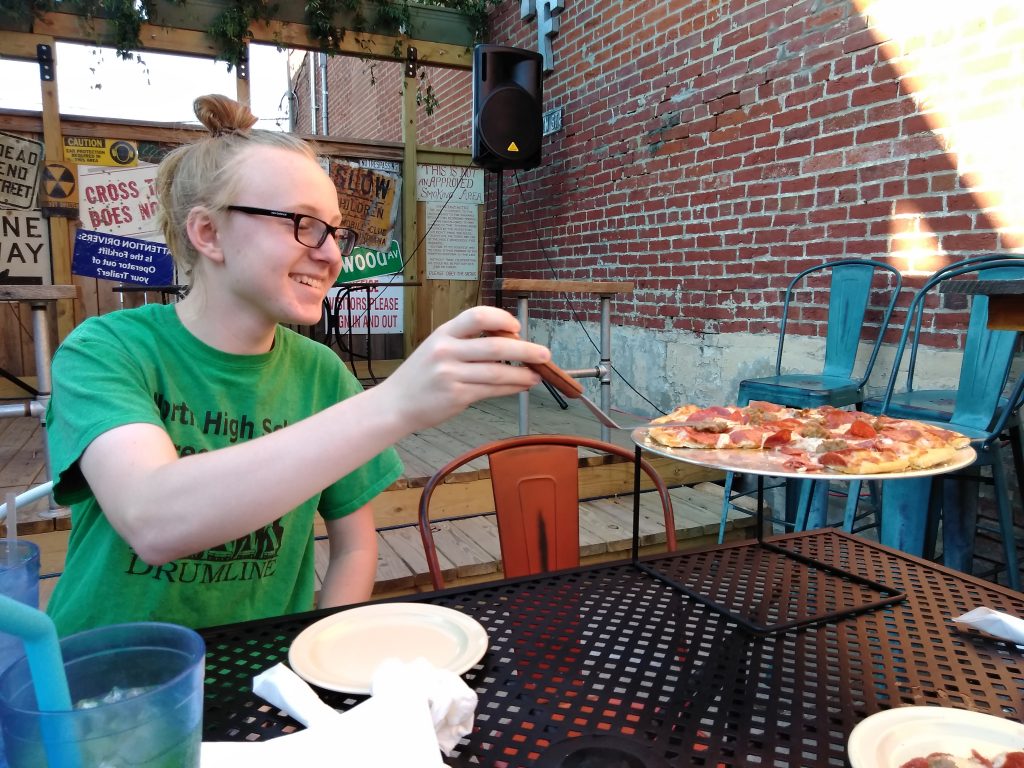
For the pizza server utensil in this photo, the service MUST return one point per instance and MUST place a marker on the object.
(572, 389)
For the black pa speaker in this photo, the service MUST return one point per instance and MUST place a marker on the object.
(507, 119)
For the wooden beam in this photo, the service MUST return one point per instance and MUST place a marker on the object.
(37, 292)
(417, 302)
(21, 45)
(60, 228)
(366, 45)
(514, 284)
(444, 156)
(21, 121)
(73, 28)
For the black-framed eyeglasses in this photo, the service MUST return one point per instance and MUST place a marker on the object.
(309, 230)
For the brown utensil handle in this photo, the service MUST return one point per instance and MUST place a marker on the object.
(550, 372)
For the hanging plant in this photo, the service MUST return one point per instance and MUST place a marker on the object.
(477, 10)
(320, 15)
(126, 18)
(425, 96)
(230, 30)
(19, 14)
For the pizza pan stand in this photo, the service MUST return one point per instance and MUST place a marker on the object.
(773, 589)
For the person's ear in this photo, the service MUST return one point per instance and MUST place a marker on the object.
(203, 233)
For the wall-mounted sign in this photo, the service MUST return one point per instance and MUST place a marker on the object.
(124, 259)
(366, 262)
(443, 183)
(59, 195)
(552, 121)
(378, 309)
(452, 241)
(19, 171)
(24, 248)
(367, 201)
(87, 150)
(119, 201)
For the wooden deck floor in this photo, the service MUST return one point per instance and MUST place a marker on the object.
(468, 543)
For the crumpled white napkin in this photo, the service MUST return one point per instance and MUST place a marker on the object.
(1001, 625)
(415, 710)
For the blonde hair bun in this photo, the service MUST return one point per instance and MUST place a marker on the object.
(221, 115)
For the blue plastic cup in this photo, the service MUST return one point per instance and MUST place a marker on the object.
(137, 691)
(19, 579)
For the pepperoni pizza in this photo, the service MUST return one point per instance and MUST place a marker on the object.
(812, 439)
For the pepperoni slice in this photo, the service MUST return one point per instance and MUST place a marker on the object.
(779, 438)
(860, 428)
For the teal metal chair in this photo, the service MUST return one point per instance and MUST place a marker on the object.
(910, 508)
(927, 404)
(937, 404)
(849, 284)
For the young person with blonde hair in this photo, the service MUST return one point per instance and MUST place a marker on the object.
(196, 441)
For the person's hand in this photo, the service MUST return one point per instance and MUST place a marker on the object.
(456, 366)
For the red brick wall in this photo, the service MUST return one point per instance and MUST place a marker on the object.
(364, 101)
(712, 150)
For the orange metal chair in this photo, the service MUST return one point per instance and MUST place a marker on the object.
(535, 481)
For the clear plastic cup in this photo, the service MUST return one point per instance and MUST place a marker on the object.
(19, 579)
(138, 696)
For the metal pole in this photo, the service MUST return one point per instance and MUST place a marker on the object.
(499, 239)
(524, 397)
(41, 338)
(605, 366)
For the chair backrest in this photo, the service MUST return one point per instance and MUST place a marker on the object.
(849, 295)
(535, 482)
(987, 354)
(919, 315)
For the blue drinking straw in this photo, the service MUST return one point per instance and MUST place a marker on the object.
(46, 665)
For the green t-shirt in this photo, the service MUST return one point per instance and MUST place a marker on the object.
(143, 366)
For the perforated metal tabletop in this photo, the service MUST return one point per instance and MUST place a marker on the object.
(613, 656)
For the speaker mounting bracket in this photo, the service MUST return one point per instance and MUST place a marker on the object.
(411, 61)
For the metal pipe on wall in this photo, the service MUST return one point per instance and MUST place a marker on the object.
(312, 93)
(323, 95)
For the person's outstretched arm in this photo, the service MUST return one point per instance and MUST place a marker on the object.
(168, 507)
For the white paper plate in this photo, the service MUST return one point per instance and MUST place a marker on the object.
(891, 738)
(342, 651)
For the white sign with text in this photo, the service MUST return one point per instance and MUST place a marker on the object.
(452, 241)
(119, 201)
(377, 308)
(24, 248)
(443, 183)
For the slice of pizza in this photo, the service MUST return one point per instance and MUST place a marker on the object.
(685, 437)
(710, 427)
(864, 461)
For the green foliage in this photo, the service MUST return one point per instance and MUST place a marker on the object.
(477, 10)
(230, 30)
(125, 18)
(23, 11)
(425, 95)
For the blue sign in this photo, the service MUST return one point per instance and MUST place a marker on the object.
(125, 259)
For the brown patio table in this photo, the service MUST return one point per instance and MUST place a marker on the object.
(609, 657)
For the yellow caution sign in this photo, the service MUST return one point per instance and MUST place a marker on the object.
(513, 147)
(86, 150)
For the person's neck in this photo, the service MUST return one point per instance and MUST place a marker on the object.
(231, 330)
